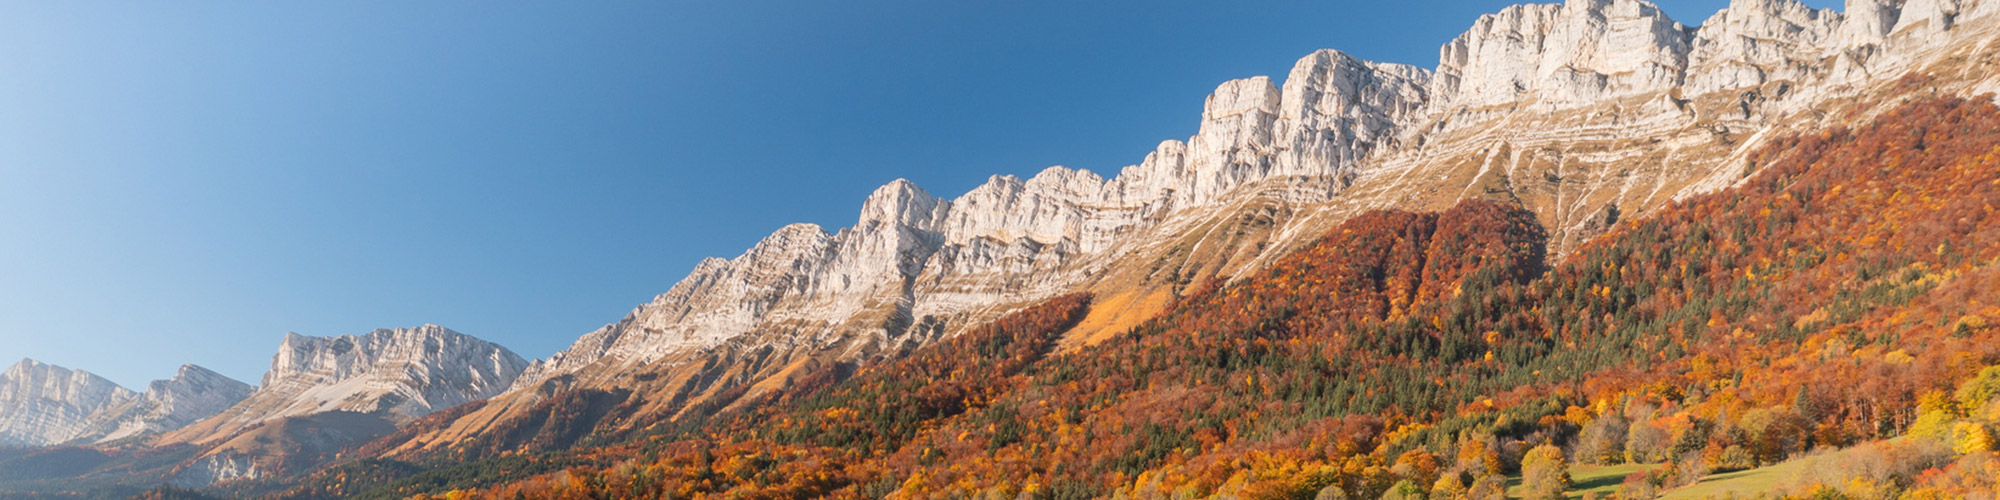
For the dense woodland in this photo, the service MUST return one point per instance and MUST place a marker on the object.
(1839, 305)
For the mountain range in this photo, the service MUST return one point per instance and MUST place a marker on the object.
(1542, 133)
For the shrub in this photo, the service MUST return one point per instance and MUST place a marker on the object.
(1642, 485)
(1733, 458)
(1488, 487)
(1404, 490)
(1602, 441)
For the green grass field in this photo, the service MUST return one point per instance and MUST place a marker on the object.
(1743, 483)
(1602, 479)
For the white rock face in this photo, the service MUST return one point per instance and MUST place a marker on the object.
(218, 468)
(402, 373)
(1577, 53)
(1926, 17)
(43, 404)
(1757, 41)
(193, 394)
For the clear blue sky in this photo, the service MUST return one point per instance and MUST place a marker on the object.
(186, 182)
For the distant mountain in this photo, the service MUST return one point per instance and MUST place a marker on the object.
(400, 374)
(194, 393)
(43, 404)
(324, 392)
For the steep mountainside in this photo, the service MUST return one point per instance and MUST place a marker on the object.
(1585, 113)
(43, 404)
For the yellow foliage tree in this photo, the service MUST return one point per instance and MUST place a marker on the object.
(1935, 415)
(1971, 437)
(1449, 487)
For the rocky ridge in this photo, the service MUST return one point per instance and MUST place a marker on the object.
(1582, 111)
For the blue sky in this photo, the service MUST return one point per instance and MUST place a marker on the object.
(186, 182)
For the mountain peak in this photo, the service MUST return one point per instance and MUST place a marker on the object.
(404, 372)
(193, 370)
(26, 364)
(901, 202)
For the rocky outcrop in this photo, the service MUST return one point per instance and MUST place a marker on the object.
(43, 404)
(1576, 53)
(1757, 41)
